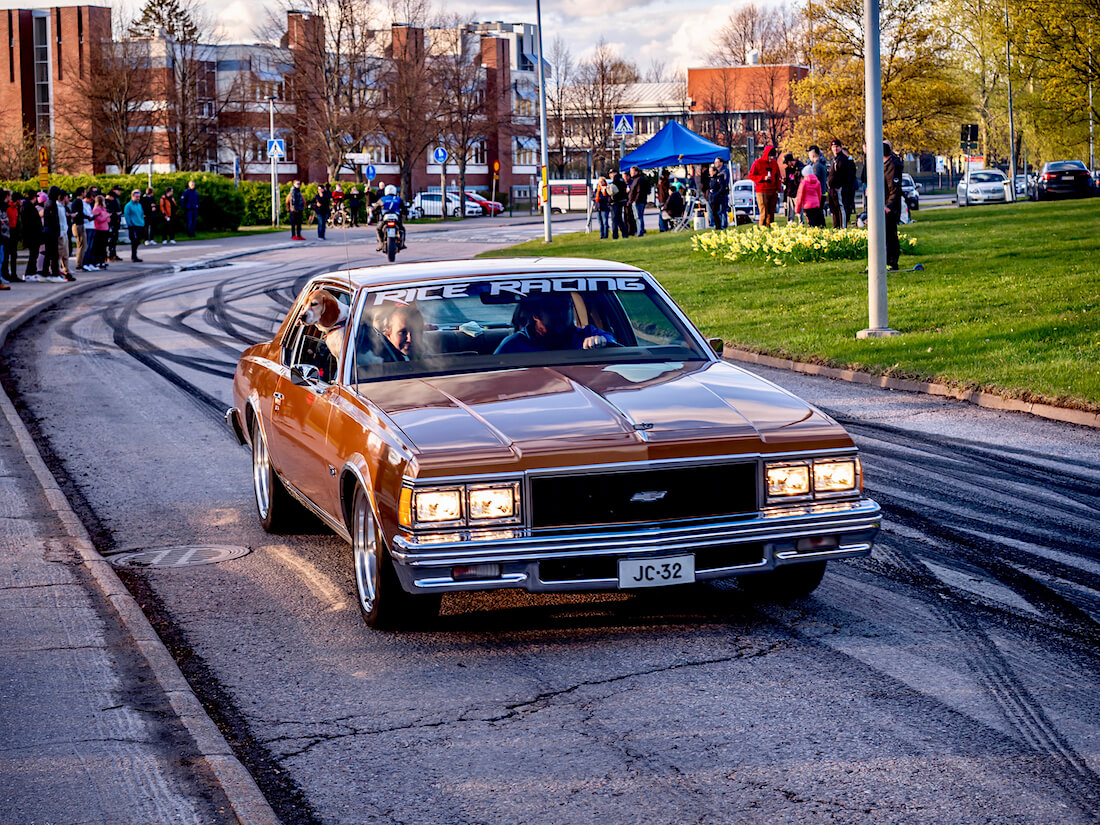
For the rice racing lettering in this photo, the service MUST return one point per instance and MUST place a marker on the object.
(519, 288)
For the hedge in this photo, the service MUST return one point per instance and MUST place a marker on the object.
(221, 206)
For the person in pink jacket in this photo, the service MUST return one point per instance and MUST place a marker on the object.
(808, 200)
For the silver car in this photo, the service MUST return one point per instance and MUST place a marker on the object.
(986, 186)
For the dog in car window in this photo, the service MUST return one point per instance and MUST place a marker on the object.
(329, 315)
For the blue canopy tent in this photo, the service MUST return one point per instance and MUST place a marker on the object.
(674, 145)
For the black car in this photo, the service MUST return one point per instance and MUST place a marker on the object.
(1062, 179)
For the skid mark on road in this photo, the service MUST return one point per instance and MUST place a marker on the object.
(314, 579)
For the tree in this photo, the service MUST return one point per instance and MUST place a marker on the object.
(598, 95)
(558, 98)
(18, 153)
(776, 34)
(923, 100)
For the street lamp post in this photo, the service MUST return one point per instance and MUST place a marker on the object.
(274, 169)
(1011, 122)
(876, 195)
(542, 128)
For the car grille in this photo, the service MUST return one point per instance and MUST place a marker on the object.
(643, 495)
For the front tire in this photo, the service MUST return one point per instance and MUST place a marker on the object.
(785, 584)
(277, 509)
(383, 602)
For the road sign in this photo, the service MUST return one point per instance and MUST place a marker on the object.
(43, 167)
(43, 156)
(358, 158)
(624, 124)
(276, 148)
(439, 155)
(370, 172)
(496, 166)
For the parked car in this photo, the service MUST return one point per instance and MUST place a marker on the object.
(910, 191)
(1021, 185)
(1062, 178)
(426, 204)
(543, 424)
(986, 186)
(487, 206)
(743, 202)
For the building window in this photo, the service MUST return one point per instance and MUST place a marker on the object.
(525, 151)
(42, 77)
(379, 150)
(478, 154)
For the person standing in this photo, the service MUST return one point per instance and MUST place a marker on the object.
(601, 203)
(664, 189)
(767, 178)
(354, 204)
(295, 206)
(841, 180)
(102, 220)
(87, 207)
(169, 209)
(617, 188)
(10, 269)
(149, 207)
(792, 179)
(64, 220)
(892, 168)
(31, 220)
(51, 235)
(718, 195)
(818, 163)
(5, 234)
(322, 206)
(113, 200)
(807, 200)
(135, 223)
(77, 212)
(638, 196)
(190, 204)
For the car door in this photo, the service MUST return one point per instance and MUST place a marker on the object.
(301, 409)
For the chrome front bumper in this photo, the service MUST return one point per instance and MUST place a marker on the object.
(425, 563)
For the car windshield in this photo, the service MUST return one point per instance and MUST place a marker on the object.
(1067, 166)
(986, 177)
(534, 320)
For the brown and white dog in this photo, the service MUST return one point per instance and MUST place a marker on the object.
(330, 316)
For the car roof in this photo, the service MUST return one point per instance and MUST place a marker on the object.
(372, 276)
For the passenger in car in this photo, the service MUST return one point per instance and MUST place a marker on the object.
(545, 322)
(403, 327)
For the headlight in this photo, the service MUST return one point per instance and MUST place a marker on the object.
(437, 506)
(821, 478)
(461, 505)
(787, 480)
(495, 503)
(835, 475)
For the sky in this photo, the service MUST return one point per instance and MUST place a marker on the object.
(675, 32)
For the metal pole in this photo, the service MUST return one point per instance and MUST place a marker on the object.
(1011, 123)
(876, 195)
(274, 168)
(548, 237)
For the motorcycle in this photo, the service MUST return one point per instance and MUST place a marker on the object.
(391, 234)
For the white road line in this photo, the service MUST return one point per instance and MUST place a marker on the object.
(314, 579)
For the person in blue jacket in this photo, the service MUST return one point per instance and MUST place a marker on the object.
(392, 202)
(190, 204)
(544, 321)
(135, 223)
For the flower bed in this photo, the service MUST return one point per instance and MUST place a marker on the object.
(791, 244)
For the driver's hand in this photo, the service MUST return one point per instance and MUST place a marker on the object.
(594, 342)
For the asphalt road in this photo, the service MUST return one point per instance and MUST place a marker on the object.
(949, 678)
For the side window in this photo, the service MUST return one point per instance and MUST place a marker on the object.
(310, 343)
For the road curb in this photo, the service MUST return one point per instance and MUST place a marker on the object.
(245, 798)
(982, 399)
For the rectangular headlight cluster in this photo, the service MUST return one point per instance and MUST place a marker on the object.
(817, 478)
(461, 505)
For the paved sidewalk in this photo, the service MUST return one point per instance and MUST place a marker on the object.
(97, 724)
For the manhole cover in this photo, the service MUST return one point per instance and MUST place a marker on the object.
(186, 556)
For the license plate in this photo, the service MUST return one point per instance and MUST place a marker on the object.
(1067, 177)
(656, 572)
(391, 233)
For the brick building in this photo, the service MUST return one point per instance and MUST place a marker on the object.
(223, 120)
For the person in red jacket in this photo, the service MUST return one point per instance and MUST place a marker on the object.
(768, 179)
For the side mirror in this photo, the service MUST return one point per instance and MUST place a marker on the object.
(716, 344)
(304, 375)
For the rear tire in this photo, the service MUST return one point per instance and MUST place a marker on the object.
(784, 584)
(278, 511)
(383, 602)
(391, 249)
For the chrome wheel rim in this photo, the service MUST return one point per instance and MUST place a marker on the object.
(261, 474)
(364, 543)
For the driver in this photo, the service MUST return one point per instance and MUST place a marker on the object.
(391, 202)
(545, 322)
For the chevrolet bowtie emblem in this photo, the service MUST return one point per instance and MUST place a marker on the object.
(649, 495)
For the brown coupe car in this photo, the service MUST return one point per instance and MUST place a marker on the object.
(546, 424)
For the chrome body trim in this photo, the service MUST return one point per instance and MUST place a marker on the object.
(425, 565)
(233, 421)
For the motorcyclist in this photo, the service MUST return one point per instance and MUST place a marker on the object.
(392, 202)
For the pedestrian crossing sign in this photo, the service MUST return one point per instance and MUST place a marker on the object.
(276, 148)
(624, 124)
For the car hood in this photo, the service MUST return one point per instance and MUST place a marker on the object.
(542, 416)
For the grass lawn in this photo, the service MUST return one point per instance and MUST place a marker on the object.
(1009, 300)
